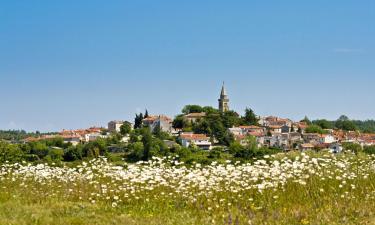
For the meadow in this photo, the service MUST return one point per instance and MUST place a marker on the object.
(287, 188)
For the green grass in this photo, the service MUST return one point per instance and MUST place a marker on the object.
(27, 202)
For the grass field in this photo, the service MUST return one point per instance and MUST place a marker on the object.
(291, 188)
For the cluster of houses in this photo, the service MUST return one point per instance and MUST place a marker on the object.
(271, 132)
(74, 136)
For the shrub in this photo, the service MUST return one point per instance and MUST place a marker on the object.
(10, 152)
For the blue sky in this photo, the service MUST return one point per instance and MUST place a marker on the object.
(74, 64)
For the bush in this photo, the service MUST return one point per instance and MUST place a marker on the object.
(39, 148)
(56, 154)
(10, 153)
(73, 153)
(369, 149)
(356, 148)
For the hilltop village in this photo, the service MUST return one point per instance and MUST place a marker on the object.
(207, 128)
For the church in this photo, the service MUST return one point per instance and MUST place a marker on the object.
(223, 100)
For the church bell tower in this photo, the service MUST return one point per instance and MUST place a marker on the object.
(224, 100)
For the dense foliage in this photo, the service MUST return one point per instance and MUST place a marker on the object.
(18, 135)
(215, 124)
(346, 124)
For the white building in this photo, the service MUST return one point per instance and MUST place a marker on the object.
(327, 139)
(199, 140)
(115, 125)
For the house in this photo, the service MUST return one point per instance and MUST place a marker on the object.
(301, 127)
(244, 130)
(194, 117)
(162, 122)
(311, 137)
(236, 131)
(259, 137)
(327, 139)
(115, 125)
(72, 139)
(199, 140)
(94, 136)
(274, 129)
(306, 146)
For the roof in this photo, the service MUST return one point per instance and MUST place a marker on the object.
(196, 115)
(223, 91)
(249, 127)
(194, 137)
(153, 118)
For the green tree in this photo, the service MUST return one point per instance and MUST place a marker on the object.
(125, 128)
(356, 148)
(39, 148)
(346, 125)
(10, 152)
(315, 129)
(230, 119)
(324, 124)
(369, 150)
(180, 122)
(246, 152)
(192, 109)
(136, 151)
(306, 120)
(250, 118)
(95, 148)
(147, 143)
(56, 154)
(138, 121)
(73, 153)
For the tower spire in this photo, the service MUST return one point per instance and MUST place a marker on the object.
(223, 90)
(224, 100)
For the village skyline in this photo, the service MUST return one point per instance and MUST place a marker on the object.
(130, 116)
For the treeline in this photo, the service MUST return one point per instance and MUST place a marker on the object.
(18, 135)
(342, 123)
(51, 150)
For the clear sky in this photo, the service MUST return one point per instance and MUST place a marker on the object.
(74, 64)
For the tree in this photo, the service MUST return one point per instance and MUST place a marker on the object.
(346, 125)
(146, 114)
(324, 124)
(369, 150)
(315, 129)
(138, 121)
(10, 153)
(250, 118)
(73, 153)
(95, 148)
(180, 122)
(230, 119)
(136, 151)
(56, 155)
(210, 109)
(246, 152)
(192, 109)
(306, 120)
(356, 148)
(147, 143)
(125, 128)
(39, 148)
(343, 118)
